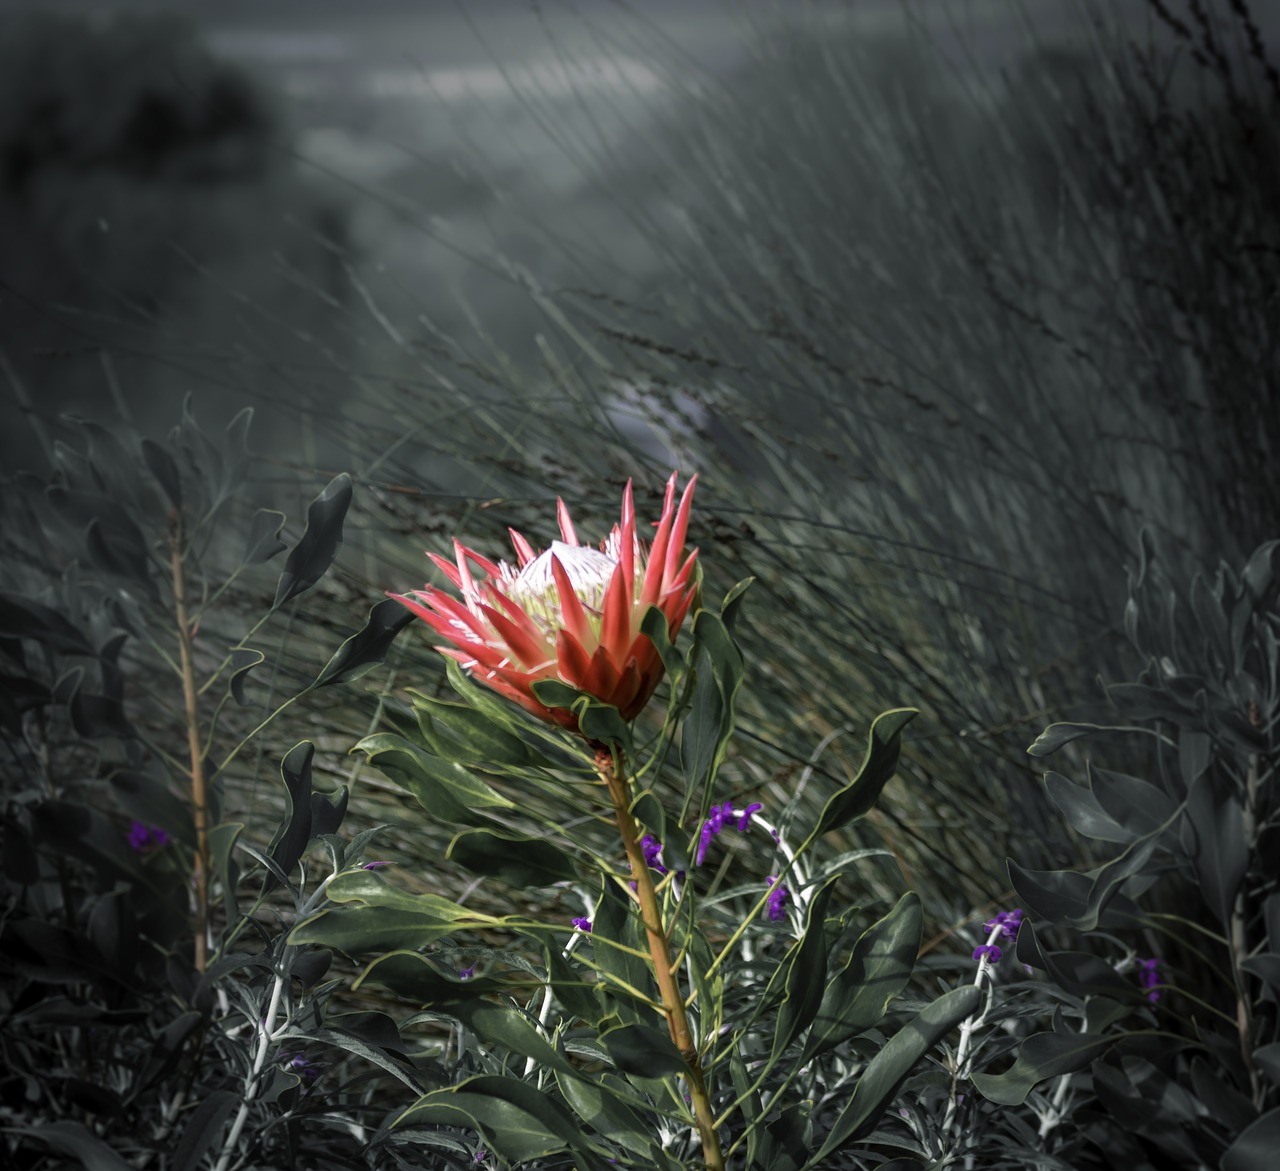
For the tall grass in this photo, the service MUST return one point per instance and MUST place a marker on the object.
(938, 343)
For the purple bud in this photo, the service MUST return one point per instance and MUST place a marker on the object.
(583, 925)
(141, 836)
(704, 843)
(374, 865)
(989, 951)
(776, 904)
(466, 973)
(744, 822)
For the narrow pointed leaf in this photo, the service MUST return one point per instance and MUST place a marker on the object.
(320, 542)
(366, 649)
(879, 764)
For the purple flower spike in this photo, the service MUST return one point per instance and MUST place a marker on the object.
(704, 843)
(1008, 922)
(779, 897)
(988, 951)
(583, 925)
(744, 822)
(142, 836)
(1149, 977)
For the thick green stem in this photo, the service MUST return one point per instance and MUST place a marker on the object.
(191, 712)
(660, 955)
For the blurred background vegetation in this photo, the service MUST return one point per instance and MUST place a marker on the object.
(943, 307)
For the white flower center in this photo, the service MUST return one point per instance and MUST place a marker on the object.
(589, 572)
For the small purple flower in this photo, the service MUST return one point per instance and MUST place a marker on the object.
(744, 822)
(988, 951)
(143, 836)
(583, 925)
(481, 1155)
(466, 973)
(374, 865)
(652, 853)
(779, 896)
(1149, 977)
(1008, 922)
(308, 1071)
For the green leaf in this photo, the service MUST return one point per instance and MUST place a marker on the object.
(599, 1107)
(368, 647)
(1056, 895)
(1255, 1148)
(806, 974)
(203, 1129)
(1040, 1057)
(602, 723)
(889, 1068)
(320, 541)
(718, 671)
(654, 625)
(517, 859)
(361, 930)
(502, 1025)
(877, 970)
(516, 1120)
(458, 732)
(616, 920)
(444, 788)
(554, 693)
(641, 1050)
(732, 603)
(264, 541)
(294, 831)
(571, 987)
(419, 979)
(856, 799)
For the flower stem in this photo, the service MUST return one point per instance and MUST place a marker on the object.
(610, 770)
(199, 792)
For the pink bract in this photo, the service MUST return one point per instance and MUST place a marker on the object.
(571, 612)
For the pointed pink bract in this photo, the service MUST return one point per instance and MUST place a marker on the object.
(512, 629)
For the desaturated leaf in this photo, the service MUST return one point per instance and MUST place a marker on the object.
(294, 831)
(517, 859)
(1040, 1057)
(878, 766)
(204, 1127)
(877, 970)
(889, 1068)
(444, 788)
(72, 1138)
(516, 1119)
(320, 542)
(243, 660)
(264, 541)
(642, 1051)
(368, 647)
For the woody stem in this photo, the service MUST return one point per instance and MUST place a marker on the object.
(191, 711)
(610, 770)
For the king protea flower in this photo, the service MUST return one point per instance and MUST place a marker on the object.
(571, 612)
